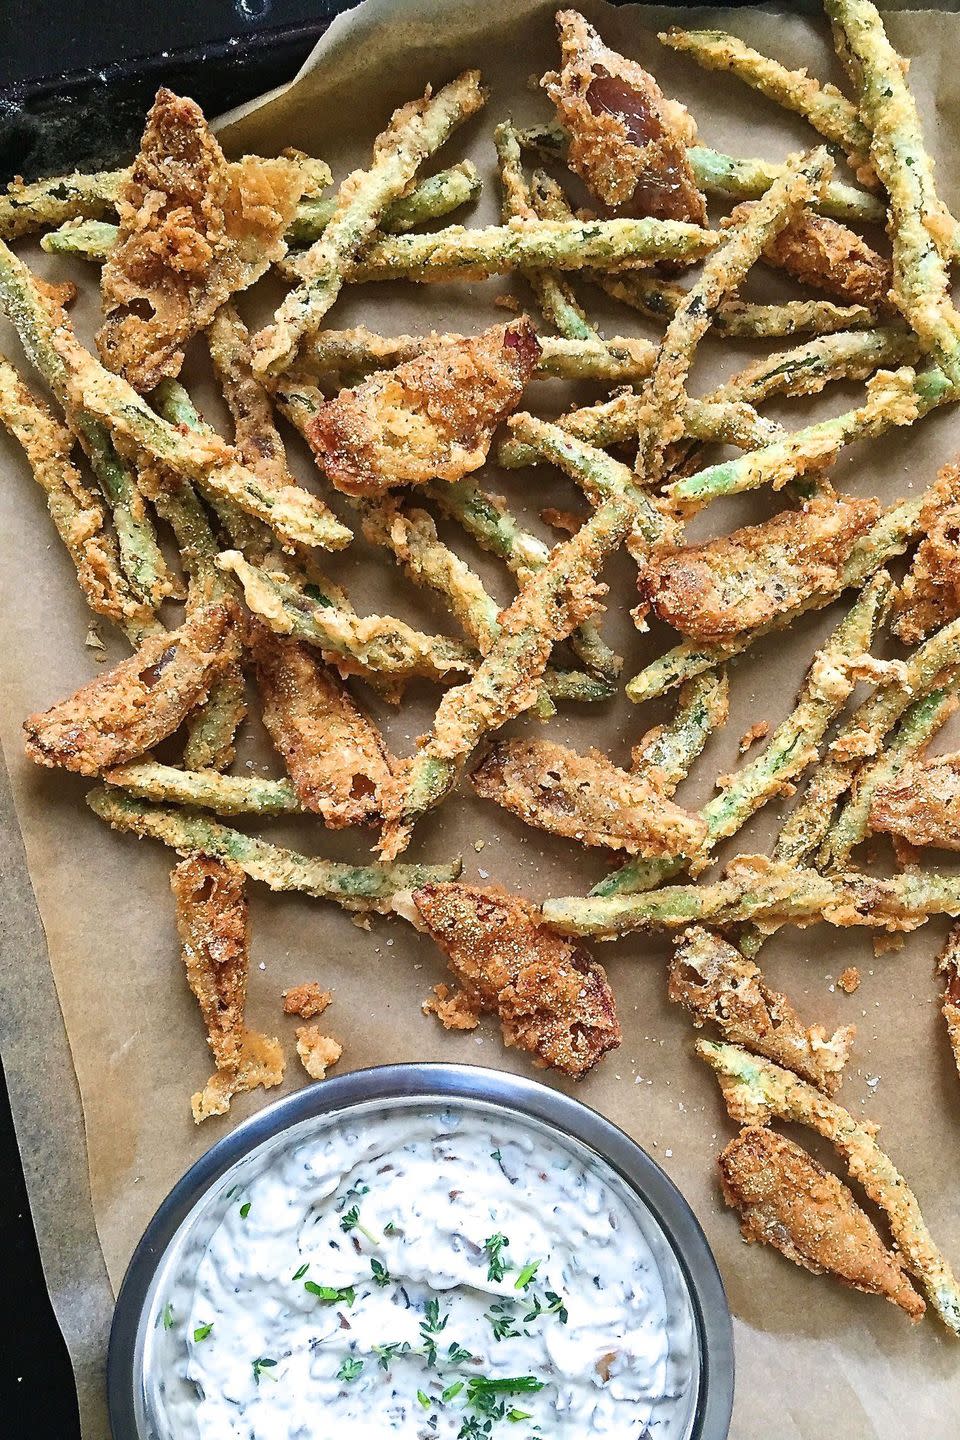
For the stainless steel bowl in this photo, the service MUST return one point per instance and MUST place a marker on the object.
(149, 1402)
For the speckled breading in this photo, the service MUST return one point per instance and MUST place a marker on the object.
(711, 978)
(930, 593)
(431, 418)
(746, 579)
(333, 752)
(193, 231)
(948, 966)
(586, 798)
(119, 715)
(922, 804)
(829, 256)
(552, 999)
(214, 927)
(317, 1051)
(306, 1000)
(628, 141)
(788, 1200)
(256, 437)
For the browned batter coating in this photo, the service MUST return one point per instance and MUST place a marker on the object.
(193, 231)
(948, 965)
(586, 798)
(922, 804)
(317, 1051)
(333, 752)
(743, 580)
(823, 253)
(930, 594)
(715, 982)
(552, 999)
(431, 418)
(628, 141)
(787, 1199)
(214, 925)
(128, 710)
(306, 1000)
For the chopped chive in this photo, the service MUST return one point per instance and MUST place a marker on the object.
(527, 1274)
(202, 1331)
(245, 1210)
(424, 1399)
(167, 1316)
(299, 1274)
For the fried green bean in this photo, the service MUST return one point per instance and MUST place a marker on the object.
(755, 1087)
(206, 789)
(29, 312)
(355, 887)
(668, 751)
(415, 132)
(791, 748)
(893, 399)
(884, 540)
(25, 208)
(921, 229)
(738, 319)
(830, 113)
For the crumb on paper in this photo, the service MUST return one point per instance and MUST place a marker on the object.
(455, 1009)
(849, 980)
(93, 639)
(317, 1051)
(362, 921)
(306, 1000)
(506, 301)
(478, 845)
(759, 731)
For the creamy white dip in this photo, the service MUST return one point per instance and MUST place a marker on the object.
(427, 1275)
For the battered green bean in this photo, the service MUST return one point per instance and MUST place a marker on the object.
(355, 887)
(754, 1088)
(224, 794)
(669, 750)
(414, 132)
(739, 319)
(24, 208)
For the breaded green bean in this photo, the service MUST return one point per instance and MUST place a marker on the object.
(791, 748)
(84, 239)
(830, 113)
(206, 789)
(24, 208)
(669, 751)
(30, 314)
(78, 517)
(415, 132)
(356, 887)
(739, 319)
(893, 398)
(755, 1087)
(921, 229)
(356, 644)
(212, 728)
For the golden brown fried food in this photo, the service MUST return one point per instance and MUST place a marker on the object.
(306, 1000)
(628, 142)
(431, 418)
(214, 924)
(743, 580)
(948, 965)
(823, 253)
(715, 982)
(930, 594)
(193, 231)
(121, 714)
(261, 1064)
(552, 999)
(921, 805)
(787, 1199)
(849, 980)
(255, 435)
(586, 798)
(318, 1052)
(333, 752)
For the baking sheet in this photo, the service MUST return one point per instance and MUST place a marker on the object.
(811, 1357)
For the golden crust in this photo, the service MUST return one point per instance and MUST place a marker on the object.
(333, 752)
(193, 231)
(306, 1000)
(119, 715)
(586, 798)
(930, 594)
(922, 804)
(787, 1199)
(261, 1064)
(948, 965)
(628, 142)
(822, 253)
(431, 418)
(317, 1051)
(715, 982)
(552, 999)
(716, 590)
(214, 929)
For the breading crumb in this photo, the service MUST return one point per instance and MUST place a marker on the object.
(759, 731)
(849, 980)
(455, 1009)
(306, 1000)
(318, 1052)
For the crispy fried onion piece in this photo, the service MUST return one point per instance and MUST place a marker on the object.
(586, 798)
(715, 982)
(628, 142)
(930, 593)
(552, 999)
(119, 715)
(431, 418)
(213, 923)
(922, 804)
(306, 1000)
(948, 965)
(787, 1199)
(823, 253)
(193, 231)
(739, 581)
(333, 752)
(317, 1051)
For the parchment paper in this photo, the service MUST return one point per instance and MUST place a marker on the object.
(813, 1359)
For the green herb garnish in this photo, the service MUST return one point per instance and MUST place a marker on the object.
(526, 1274)
(350, 1370)
(495, 1245)
(167, 1316)
(245, 1210)
(202, 1331)
(452, 1390)
(351, 1221)
(299, 1274)
(381, 1274)
(261, 1366)
(424, 1399)
(331, 1292)
(501, 1318)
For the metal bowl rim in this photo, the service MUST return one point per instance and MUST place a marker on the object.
(423, 1080)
